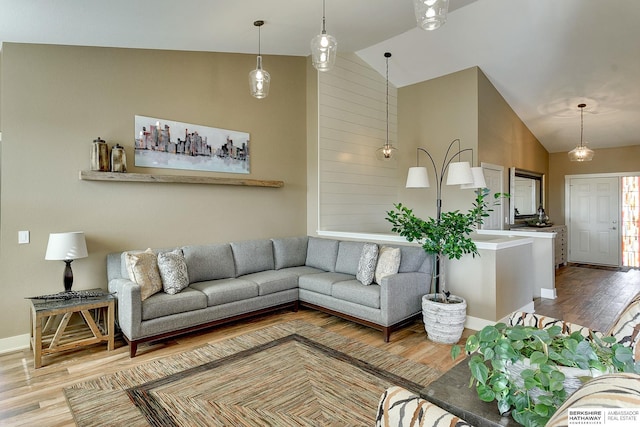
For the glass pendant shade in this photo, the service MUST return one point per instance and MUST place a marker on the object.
(478, 179)
(431, 14)
(386, 152)
(581, 153)
(417, 177)
(259, 80)
(323, 51)
(459, 173)
(323, 48)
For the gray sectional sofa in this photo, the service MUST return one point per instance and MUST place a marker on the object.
(241, 279)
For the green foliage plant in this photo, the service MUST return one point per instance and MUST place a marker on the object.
(534, 395)
(448, 236)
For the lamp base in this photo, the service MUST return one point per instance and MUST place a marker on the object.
(68, 275)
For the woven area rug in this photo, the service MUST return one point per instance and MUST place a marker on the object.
(292, 374)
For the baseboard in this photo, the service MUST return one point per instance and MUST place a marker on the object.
(16, 343)
(548, 293)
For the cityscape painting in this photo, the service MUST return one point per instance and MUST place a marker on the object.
(169, 144)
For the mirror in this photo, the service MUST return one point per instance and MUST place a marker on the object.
(526, 191)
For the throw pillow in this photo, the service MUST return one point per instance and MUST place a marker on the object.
(143, 270)
(388, 262)
(173, 271)
(367, 263)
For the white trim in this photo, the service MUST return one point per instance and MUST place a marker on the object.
(381, 237)
(16, 343)
(548, 293)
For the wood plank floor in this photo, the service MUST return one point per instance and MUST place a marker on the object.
(28, 397)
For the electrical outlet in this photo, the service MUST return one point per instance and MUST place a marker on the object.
(23, 237)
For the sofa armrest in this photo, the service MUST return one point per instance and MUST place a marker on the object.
(129, 306)
(401, 296)
(400, 407)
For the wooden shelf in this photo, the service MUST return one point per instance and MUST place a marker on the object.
(181, 179)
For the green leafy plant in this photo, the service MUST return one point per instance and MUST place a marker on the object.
(447, 236)
(535, 393)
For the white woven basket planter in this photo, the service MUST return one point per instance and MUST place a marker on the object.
(444, 322)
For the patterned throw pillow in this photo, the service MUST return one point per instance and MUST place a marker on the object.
(367, 263)
(143, 270)
(388, 262)
(627, 327)
(173, 271)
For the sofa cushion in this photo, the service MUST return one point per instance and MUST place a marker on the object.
(209, 262)
(173, 271)
(252, 256)
(411, 259)
(162, 304)
(349, 257)
(272, 281)
(322, 282)
(322, 253)
(627, 327)
(290, 251)
(356, 292)
(367, 263)
(143, 270)
(388, 262)
(223, 291)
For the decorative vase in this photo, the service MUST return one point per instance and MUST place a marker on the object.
(444, 321)
(100, 155)
(118, 159)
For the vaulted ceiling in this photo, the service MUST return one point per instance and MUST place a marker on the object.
(544, 56)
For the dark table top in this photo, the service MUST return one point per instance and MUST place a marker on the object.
(452, 392)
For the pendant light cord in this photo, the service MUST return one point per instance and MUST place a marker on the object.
(581, 124)
(324, 31)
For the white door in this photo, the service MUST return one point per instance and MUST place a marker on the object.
(594, 214)
(493, 177)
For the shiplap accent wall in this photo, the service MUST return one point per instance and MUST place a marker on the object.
(355, 189)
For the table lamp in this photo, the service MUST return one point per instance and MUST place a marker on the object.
(66, 247)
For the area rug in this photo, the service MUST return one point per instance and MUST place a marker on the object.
(292, 374)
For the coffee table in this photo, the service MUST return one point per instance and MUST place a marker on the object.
(452, 392)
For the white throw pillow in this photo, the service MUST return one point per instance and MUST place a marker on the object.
(388, 262)
(173, 271)
(143, 269)
(367, 263)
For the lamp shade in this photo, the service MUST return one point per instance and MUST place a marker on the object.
(259, 80)
(581, 153)
(478, 179)
(417, 177)
(66, 246)
(459, 173)
(323, 51)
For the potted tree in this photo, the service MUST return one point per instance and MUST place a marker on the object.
(530, 372)
(446, 237)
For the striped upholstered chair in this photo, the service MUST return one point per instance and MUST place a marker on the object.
(626, 328)
(399, 407)
(607, 392)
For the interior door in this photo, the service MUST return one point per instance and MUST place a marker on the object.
(493, 176)
(594, 215)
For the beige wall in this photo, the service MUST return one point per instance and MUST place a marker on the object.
(57, 99)
(431, 114)
(504, 140)
(610, 160)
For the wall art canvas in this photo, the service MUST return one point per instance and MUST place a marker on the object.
(169, 144)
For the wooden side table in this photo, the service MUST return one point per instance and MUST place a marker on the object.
(51, 331)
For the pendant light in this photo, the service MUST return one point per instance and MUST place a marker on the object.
(259, 79)
(323, 48)
(387, 151)
(581, 153)
(431, 14)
